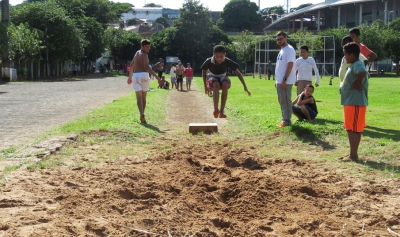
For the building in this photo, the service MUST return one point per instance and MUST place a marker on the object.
(150, 14)
(335, 13)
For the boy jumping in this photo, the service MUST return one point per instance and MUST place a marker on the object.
(215, 79)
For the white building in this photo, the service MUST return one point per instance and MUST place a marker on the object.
(148, 13)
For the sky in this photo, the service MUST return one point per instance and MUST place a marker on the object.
(213, 5)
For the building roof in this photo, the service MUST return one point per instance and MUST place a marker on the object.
(147, 8)
(318, 6)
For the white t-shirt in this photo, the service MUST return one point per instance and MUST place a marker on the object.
(304, 68)
(172, 71)
(285, 56)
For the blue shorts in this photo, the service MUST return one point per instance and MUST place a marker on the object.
(296, 110)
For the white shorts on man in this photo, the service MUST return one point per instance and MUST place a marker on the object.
(141, 81)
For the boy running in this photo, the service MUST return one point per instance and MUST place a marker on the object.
(215, 79)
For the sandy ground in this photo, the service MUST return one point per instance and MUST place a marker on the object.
(201, 189)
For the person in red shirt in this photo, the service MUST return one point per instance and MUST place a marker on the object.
(355, 35)
(189, 76)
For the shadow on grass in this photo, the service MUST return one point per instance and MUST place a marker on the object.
(152, 127)
(370, 131)
(382, 166)
(307, 135)
(375, 132)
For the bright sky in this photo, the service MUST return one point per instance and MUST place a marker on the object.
(213, 5)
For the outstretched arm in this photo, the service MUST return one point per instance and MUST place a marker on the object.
(204, 75)
(239, 74)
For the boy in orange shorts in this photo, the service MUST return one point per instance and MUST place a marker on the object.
(354, 97)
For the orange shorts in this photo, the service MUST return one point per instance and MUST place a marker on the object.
(354, 118)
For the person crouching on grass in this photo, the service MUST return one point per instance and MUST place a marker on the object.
(354, 97)
(214, 71)
(307, 107)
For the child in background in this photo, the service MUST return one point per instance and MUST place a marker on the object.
(304, 67)
(345, 65)
(214, 71)
(307, 107)
(173, 76)
(354, 97)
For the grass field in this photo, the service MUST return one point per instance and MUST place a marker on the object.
(258, 115)
(254, 119)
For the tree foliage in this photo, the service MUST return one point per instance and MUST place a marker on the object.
(162, 21)
(239, 15)
(244, 46)
(24, 41)
(278, 10)
(65, 40)
(122, 44)
(152, 5)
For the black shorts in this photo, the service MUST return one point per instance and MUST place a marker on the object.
(160, 74)
(179, 79)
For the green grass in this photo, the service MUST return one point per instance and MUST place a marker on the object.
(122, 115)
(258, 115)
(115, 128)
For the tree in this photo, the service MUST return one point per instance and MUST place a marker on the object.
(162, 21)
(338, 34)
(131, 22)
(304, 37)
(371, 35)
(243, 45)
(277, 10)
(152, 5)
(196, 27)
(65, 40)
(103, 11)
(239, 15)
(122, 44)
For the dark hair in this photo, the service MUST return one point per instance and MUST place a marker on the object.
(281, 33)
(352, 48)
(355, 31)
(346, 40)
(309, 85)
(145, 42)
(305, 47)
(219, 49)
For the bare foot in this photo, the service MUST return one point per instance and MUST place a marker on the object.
(142, 119)
(222, 116)
(216, 113)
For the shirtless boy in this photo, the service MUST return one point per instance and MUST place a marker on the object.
(139, 76)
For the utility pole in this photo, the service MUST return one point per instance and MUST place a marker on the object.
(5, 21)
(47, 43)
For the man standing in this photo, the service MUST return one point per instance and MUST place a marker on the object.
(180, 70)
(140, 71)
(285, 77)
(159, 67)
(355, 35)
(189, 76)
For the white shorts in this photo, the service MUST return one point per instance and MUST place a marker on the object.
(141, 81)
